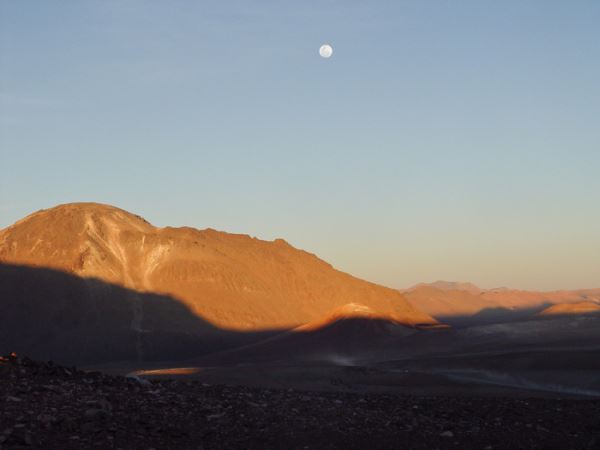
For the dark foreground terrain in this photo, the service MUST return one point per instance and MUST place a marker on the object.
(47, 406)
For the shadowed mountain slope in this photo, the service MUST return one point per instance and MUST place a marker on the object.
(54, 315)
(230, 281)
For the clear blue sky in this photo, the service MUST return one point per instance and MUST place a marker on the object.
(443, 139)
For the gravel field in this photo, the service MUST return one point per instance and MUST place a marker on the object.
(52, 407)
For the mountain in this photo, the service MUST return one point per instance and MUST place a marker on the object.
(461, 304)
(227, 282)
(445, 302)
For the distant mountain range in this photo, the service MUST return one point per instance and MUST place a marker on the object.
(462, 304)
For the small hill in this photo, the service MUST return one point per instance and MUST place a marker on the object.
(345, 333)
(561, 309)
(350, 311)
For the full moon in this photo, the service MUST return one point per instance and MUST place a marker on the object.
(325, 50)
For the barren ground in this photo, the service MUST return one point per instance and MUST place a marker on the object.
(46, 406)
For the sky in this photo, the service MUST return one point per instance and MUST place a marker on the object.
(442, 140)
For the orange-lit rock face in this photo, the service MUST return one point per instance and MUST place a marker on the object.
(233, 281)
(586, 307)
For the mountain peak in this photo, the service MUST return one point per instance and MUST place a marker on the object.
(450, 286)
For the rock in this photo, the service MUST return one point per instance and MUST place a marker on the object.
(50, 387)
(46, 419)
(140, 381)
(95, 413)
(101, 404)
(215, 416)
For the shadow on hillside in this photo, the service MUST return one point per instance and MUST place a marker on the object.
(490, 316)
(49, 314)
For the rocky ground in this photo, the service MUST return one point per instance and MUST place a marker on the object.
(46, 406)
